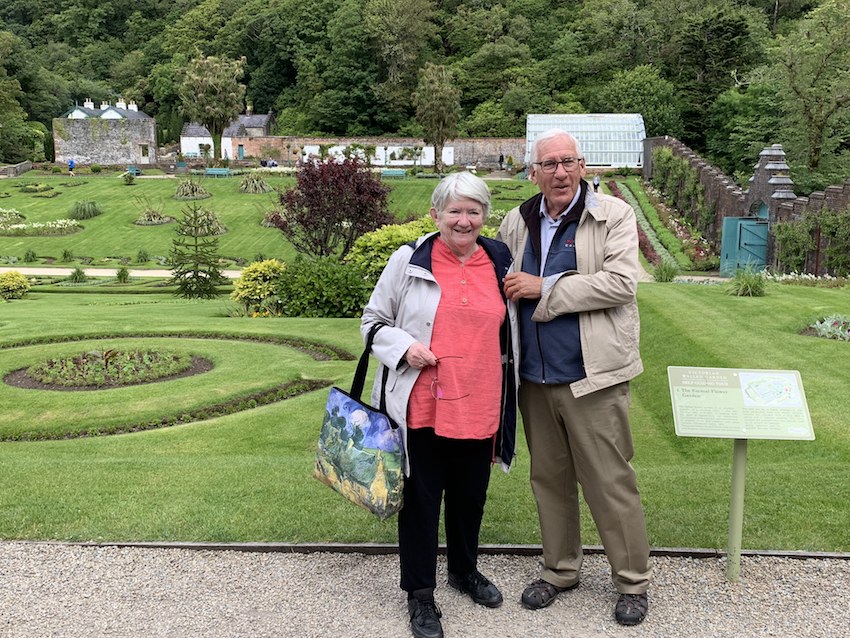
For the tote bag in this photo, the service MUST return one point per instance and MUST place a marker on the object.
(360, 450)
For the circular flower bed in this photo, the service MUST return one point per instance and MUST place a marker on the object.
(109, 368)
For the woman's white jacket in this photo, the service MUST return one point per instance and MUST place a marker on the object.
(405, 300)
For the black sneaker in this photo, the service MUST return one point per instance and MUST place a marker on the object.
(479, 588)
(631, 608)
(424, 615)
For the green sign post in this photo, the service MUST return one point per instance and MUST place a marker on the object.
(739, 404)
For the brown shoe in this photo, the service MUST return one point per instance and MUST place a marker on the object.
(541, 593)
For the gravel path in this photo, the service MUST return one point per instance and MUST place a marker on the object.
(69, 591)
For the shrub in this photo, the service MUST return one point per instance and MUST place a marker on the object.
(665, 271)
(343, 291)
(13, 285)
(56, 169)
(259, 282)
(190, 189)
(122, 275)
(96, 168)
(85, 210)
(254, 183)
(30, 256)
(331, 206)
(78, 276)
(371, 251)
(142, 257)
(833, 327)
(748, 283)
(67, 255)
(36, 188)
(129, 179)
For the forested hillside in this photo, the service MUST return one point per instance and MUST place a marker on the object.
(725, 77)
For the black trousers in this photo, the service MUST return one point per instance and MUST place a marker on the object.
(460, 469)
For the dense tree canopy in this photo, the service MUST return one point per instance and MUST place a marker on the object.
(350, 67)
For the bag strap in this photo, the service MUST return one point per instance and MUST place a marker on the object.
(363, 367)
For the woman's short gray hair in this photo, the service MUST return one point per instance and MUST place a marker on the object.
(549, 134)
(462, 185)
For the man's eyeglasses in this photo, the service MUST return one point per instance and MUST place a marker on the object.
(436, 390)
(550, 166)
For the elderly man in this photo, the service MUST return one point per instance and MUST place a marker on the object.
(575, 280)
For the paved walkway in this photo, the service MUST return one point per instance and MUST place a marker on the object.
(102, 272)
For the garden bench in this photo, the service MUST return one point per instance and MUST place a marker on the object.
(218, 172)
(393, 172)
(135, 171)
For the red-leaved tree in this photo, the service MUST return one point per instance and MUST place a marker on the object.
(332, 204)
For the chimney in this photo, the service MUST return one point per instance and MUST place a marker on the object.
(88, 104)
(104, 106)
(121, 104)
(132, 106)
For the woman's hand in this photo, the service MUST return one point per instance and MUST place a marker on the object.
(419, 356)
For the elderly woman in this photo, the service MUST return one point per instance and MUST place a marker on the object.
(448, 347)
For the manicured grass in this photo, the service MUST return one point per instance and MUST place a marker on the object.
(113, 234)
(246, 476)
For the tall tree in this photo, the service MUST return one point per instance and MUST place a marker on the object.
(717, 44)
(642, 90)
(813, 64)
(210, 93)
(401, 33)
(437, 101)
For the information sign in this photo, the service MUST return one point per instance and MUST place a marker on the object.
(735, 403)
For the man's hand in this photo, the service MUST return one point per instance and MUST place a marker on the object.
(521, 285)
(419, 356)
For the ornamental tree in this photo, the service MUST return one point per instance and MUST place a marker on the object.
(210, 93)
(194, 256)
(332, 204)
(437, 101)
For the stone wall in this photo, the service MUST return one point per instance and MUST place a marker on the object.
(105, 141)
(16, 169)
(721, 192)
(770, 186)
(472, 151)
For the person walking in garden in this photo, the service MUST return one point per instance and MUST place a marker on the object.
(575, 282)
(596, 183)
(71, 167)
(448, 345)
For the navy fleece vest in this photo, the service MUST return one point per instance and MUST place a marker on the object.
(551, 350)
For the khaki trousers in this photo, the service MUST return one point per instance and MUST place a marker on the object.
(586, 441)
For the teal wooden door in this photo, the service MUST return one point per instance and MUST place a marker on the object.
(744, 245)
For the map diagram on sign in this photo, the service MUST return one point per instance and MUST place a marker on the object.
(770, 390)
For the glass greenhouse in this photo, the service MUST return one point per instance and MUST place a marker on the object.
(607, 139)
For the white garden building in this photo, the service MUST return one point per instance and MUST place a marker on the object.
(607, 139)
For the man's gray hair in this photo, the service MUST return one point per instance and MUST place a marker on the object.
(462, 185)
(549, 134)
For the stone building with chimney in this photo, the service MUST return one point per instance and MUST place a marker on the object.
(113, 134)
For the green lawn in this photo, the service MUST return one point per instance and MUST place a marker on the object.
(113, 234)
(246, 476)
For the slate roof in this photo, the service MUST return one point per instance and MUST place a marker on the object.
(97, 113)
(237, 128)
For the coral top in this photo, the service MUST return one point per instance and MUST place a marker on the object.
(468, 378)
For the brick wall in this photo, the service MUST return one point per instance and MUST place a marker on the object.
(467, 151)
